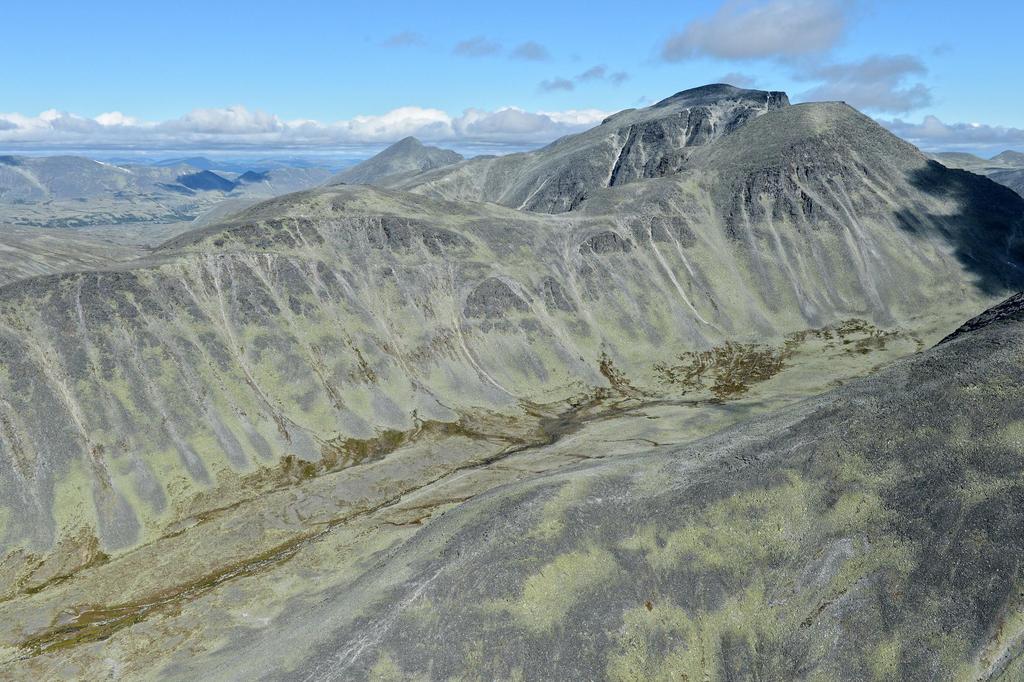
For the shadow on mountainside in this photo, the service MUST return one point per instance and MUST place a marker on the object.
(987, 232)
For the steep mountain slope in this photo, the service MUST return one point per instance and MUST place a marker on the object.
(408, 155)
(629, 146)
(869, 533)
(335, 316)
(1012, 178)
(872, 533)
(827, 195)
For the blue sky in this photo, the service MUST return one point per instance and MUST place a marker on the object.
(190, 74)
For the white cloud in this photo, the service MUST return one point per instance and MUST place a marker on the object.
(934, 135)
(238, 127)
(557, 84)
(404, 39)
(228, 120)
(878, 83)
(577, 117)
(477, 47)
(116, 118)
(523, 126)
(740, 80)
(531, 51)
(759, 29)
(593, 74)
(398, 123)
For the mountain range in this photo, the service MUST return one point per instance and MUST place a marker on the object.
(686, 396)
(1006, 168)
(75, 192)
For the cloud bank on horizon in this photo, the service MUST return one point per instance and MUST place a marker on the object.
(238, 127)
(933, 134)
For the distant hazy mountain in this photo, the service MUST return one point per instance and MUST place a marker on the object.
(1006, 168)
(276, 181)
(961, 160)
(1012, 178)
(71, 191)
(1010, 158)
(66, 177)
(253, 176)
(200, 162)
(206, 181)
(405, 156)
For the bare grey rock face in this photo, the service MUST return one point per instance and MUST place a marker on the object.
(407, 156)
(629, 146)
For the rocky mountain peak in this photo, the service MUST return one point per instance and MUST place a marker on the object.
(408, 155)
(632, 145)
(718, 93)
